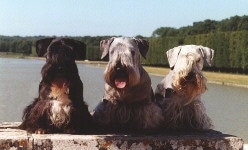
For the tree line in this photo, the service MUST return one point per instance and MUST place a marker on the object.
(16, 45)
(235, 23)
(231, 49)
(228, 37)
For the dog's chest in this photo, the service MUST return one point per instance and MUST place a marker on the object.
(60, 104)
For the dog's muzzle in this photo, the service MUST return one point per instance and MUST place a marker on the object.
(61, 71)
(120, 77)
(190, 77)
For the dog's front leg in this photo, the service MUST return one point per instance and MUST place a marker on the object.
(35, 121)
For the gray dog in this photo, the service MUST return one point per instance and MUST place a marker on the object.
(180, 91)
(128, 101)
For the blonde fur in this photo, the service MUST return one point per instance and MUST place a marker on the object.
(182, 108)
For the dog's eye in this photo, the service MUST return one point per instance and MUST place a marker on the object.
(198, 60)
(111, 52)
(133, 52)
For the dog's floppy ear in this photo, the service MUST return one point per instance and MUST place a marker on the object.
(143, 46)
(172, 55)
(42, 45)
(104, 46)
(208, 54)
(78, 48)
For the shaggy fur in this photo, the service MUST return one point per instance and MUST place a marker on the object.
(128, 101)
(60, 107)
(179, 93)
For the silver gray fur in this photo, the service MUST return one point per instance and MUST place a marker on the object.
(132, 107)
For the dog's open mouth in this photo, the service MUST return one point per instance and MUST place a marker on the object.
(120, 83)
(121, 78)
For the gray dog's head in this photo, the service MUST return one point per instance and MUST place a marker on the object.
(124, 60)
(186, 63)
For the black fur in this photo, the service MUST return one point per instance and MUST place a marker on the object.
(60, 63)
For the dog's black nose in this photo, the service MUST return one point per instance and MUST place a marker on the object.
(118, 69)
(190, 76)
(60, 69)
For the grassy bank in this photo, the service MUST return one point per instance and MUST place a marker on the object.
(11, 55)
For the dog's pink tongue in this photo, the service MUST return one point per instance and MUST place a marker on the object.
(120, 83)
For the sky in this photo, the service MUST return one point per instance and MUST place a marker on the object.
(109, 17)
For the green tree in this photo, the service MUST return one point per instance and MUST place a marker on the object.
(165, 32)
(244, 51)
(24, 47)
(243, 23)
(219, 42)
(4, 47)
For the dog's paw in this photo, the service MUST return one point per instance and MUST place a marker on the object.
(40, 131)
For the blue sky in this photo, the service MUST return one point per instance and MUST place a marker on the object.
(109, 17)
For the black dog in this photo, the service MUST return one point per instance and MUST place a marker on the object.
(60, 107)
(79, 48)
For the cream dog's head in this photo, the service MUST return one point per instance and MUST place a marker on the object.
(186, 63)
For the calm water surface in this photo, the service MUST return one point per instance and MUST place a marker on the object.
(19, 80)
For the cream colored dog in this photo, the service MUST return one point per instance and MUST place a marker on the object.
(179, 93)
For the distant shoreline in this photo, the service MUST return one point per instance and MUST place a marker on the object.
(237, 80)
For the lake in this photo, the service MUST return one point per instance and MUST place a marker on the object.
(19, 78)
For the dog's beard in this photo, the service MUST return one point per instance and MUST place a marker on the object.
(122, 77)
(189, 83)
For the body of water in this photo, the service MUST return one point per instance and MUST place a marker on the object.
(19, 80)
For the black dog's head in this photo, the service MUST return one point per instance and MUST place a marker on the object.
(79, 47)
(60, 62)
